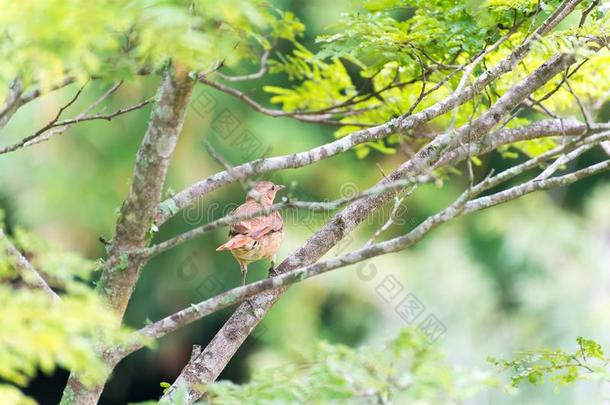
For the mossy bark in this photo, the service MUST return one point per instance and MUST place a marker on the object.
(133, 227)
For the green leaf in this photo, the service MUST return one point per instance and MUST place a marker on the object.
(165, 386)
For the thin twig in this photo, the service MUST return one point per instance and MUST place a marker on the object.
(585, 114)
(246, 183)
(18, 98)
(586, 13)
(562, 160)
(56, 127)
(48, 126)
(514, 171)
(25, 269)
(257, 75)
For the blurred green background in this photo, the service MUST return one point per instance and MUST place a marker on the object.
(535, 272)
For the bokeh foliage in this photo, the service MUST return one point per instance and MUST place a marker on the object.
(45, 40)
(403, 48)
(407, 368)
(40, 335)
(588, 362)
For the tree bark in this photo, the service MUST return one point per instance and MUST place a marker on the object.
(133, 227)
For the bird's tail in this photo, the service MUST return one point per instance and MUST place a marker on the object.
(235, 242)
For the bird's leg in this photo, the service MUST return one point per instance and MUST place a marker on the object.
(244, 272)
(272, 268)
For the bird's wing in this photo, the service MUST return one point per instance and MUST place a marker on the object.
(260, 232)
(255, 227)
(275, 221)
(243, 227)
(268, 224)
(248, 225)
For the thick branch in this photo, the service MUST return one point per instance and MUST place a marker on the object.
(135, 220)
(119, 275)
(547, 128)
(505, 136)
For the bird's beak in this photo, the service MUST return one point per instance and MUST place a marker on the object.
(280, 186)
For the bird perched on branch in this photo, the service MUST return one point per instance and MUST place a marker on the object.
(256, 238)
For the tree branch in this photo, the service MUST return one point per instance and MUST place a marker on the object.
(588, 142)
(16, 98)
(133, 226)
(535, 185)
(25, 269)
(12, 100)
(56, 127)
(257, 75)
(186, 197)
(310, 117)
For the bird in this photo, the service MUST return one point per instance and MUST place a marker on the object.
(259, 237)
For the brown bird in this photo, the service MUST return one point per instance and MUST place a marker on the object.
(260, 237)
